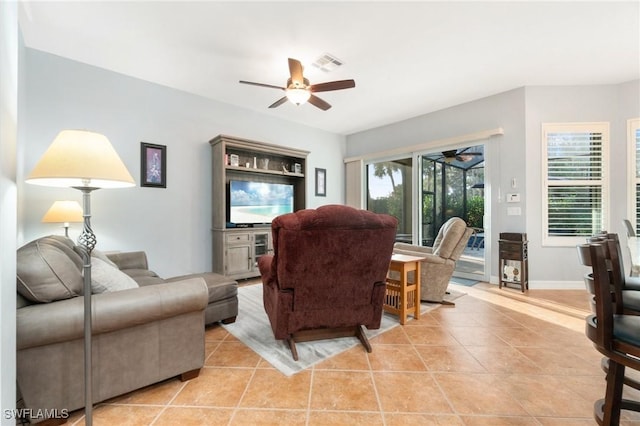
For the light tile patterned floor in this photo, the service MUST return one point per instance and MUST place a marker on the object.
(489, 360)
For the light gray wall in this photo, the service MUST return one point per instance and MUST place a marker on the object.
(607, 103)
(172, 225)
(9, 64)
(503, 155)
(517, 154)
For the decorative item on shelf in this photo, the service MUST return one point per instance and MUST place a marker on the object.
(85, 161)
(255, 163)
(63, 212)
(153, 165)
(508, 272)
(234, 160)
(297, 168)
(264, 164)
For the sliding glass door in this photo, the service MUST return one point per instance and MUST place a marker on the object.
(446, 184)
(452, 185)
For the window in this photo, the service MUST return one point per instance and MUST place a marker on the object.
(389, 191)
(634, 172)
(575, 181)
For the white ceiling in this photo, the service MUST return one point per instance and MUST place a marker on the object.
(407, 58)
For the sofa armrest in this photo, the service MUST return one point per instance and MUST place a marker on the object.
(63, 320)
(129, 259)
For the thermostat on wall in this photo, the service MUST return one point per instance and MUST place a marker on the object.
(513, 198)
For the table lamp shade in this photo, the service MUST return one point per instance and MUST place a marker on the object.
(63, 212)
(79, 158)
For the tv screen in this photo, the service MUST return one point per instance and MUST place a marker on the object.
(258, 202)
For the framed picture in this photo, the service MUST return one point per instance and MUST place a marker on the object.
(153, 165)
(321, 182)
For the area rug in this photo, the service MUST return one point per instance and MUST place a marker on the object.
(252, 328)
(463, 281)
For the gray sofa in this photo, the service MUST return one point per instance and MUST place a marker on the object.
(141, 335)
(222, 304)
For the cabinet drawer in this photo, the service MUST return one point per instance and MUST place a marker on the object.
(510, 254)
(238, 238)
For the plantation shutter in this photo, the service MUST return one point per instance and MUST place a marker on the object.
(575, 181)
(635, 134)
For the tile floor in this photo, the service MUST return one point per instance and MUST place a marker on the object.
(490, 360)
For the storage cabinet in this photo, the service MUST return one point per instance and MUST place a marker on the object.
(514, 260)
(237, 247)
(241, 251)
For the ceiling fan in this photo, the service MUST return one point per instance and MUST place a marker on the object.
(299, 91)
(462, 156)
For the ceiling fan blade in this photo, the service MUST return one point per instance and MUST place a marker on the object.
(295, 69)
(316, 101)
(261, 85)
(279, 102)
(333, 85)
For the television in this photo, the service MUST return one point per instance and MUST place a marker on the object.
(252, 203)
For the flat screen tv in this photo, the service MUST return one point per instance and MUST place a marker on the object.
(258, 202)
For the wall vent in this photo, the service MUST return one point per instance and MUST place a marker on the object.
(327, 62)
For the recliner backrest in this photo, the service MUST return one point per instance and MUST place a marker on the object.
(451, 239)
(332, 255)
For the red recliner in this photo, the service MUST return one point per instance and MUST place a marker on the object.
(326, 277)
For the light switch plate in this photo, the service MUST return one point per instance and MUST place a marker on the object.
(513, 198)
(514, 211)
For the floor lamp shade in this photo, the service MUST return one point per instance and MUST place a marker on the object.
(81, 158)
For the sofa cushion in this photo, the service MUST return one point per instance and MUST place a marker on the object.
(48, 269)
(100, 255)
(107, 278)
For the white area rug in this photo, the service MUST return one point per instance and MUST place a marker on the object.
(253, 329)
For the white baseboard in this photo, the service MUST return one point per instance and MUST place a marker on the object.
(550, 285)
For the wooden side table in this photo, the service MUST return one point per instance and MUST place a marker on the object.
(403, 297)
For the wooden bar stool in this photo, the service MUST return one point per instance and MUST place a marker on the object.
(616, 336)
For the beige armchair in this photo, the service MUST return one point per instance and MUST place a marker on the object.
(440, 260)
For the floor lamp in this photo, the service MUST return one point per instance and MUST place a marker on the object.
(64, 212)
(85, 161)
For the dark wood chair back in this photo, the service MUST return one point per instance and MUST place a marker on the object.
(614, 335)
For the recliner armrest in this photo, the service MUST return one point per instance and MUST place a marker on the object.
(63, 320)
(420, 250)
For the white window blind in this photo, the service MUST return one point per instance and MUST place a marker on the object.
(634, 172)
(575, 181)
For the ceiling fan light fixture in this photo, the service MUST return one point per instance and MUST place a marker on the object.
(298, 96)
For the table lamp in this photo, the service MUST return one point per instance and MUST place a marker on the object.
(63, 212)
(85, 161)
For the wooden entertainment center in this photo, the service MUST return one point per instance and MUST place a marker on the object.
(237, 246)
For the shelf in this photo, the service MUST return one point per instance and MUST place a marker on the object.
(263, 171)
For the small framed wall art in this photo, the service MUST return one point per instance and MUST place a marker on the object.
(153, 165)
(321, 182)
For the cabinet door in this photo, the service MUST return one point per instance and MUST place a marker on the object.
(261, 246)
(238, 259)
